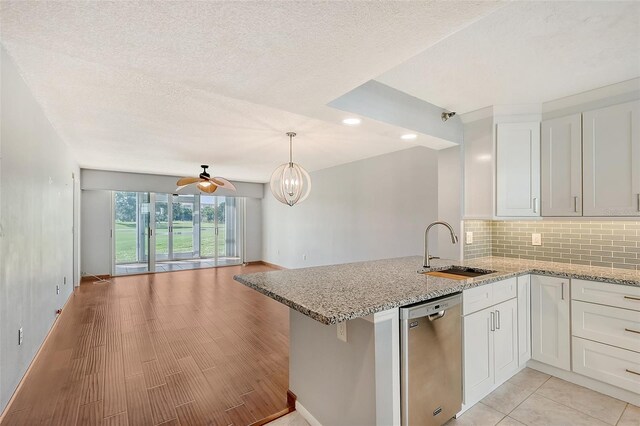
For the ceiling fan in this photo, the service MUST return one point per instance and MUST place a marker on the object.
(205, 182)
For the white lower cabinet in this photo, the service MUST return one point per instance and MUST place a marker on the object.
(550, 321)
(606, 333)
(524, 319)
(490, 348)
(609, 364)
(478, 355)
(505, 341)
(587, 328)
(606, 324)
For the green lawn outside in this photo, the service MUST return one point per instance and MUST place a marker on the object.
(182, 239)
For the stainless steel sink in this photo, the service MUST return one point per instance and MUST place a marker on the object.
(459, 272)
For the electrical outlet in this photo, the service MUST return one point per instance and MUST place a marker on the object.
(304, 256)
(468, 237)
(342, 331)
(20, 336)
(57, 289)
(536, 239)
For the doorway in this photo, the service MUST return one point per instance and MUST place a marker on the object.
(156, 232)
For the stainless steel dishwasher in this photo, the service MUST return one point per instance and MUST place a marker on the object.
(431, 361)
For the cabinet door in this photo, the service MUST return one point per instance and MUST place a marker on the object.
(524, 319)
(478, 355)
(561, 166)
(518, 169)
(505, 340)
(611, 179)
(550, 333)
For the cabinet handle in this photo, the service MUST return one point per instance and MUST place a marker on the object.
(535, 204)
(632, 372)
(575, 204)
(638, 204)
(632, 331)
(562, 289)
(497, 319)
(493, 322)
(632, 298)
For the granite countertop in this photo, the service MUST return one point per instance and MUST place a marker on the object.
(336, 293)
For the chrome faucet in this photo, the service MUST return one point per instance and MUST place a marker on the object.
(427, 257)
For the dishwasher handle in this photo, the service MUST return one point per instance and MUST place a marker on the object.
(436, 316)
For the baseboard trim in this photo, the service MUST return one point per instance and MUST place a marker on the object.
(307, 415)
(263, 263)
(91, 278)
(291, 407)
(587, 382)
(6, 410)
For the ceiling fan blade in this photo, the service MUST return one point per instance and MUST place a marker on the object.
(223, 183)
(187, 180)
(207, 187)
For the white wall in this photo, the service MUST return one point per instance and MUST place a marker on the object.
(253, 230)
(96, 232)
(478, 168)
(450, 201)
(37, 223)
(322, 369)
(142, 182)
(370, 209)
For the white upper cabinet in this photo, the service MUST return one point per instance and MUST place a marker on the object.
(518, 169)
(562, 166)
(611, 160)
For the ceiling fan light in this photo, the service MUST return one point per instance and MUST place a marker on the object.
(205, 183)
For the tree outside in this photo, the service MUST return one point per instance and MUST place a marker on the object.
(126, 230)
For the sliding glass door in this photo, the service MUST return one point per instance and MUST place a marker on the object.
(228, 242)
(132, 232)
(220, 230)
(185, 223)
(162, 232)
(162, 227)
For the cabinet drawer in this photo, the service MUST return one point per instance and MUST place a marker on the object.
(618, 367)
(478, 298)
(620, 296)
(505, 290)
(606, 324)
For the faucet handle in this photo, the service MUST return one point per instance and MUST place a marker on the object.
(434, 257)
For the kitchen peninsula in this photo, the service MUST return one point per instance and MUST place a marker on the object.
(358, 382)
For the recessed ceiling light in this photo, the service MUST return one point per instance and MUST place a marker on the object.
(409, 136)
(351, 121)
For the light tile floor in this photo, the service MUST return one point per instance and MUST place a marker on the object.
(535, 399)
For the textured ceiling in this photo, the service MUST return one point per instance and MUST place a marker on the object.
(527, 53)
(161, 87)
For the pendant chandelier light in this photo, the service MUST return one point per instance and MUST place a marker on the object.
(290, 183)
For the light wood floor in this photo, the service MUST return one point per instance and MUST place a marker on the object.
(188, 348)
